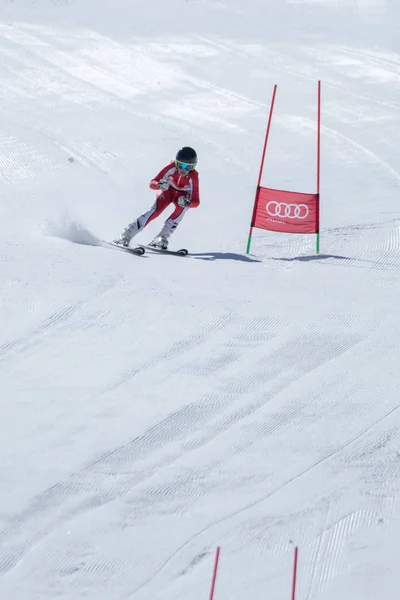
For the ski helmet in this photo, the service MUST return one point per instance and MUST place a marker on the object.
(186, 155)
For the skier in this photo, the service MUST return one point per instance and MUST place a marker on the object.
(177, 183)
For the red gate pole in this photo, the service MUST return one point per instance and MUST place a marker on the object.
(318, 159)
(261, 169)
(296, 552)
(215, 571)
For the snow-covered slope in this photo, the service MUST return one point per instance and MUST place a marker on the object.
(153, 408)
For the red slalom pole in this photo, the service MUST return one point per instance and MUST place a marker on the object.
(261, 168)
(296, 552)
(214, 578)
(319, 139)
(318, 158)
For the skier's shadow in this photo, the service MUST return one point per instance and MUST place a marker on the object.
(223, 256)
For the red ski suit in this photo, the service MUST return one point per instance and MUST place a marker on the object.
(184, 186)
(180, 185)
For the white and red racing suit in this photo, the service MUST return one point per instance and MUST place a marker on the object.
(181, 185)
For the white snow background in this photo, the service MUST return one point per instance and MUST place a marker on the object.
(154, 408)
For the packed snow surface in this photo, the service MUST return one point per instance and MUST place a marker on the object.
(154, 408)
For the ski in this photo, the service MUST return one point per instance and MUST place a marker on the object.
(180, 252)
(139, 250)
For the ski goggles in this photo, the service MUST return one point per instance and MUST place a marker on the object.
(184, 166)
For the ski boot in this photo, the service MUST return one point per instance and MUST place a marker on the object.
(121, 241)
(129, 232)
(159, 242)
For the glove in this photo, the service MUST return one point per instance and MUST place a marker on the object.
(163, 184)
(184, 201)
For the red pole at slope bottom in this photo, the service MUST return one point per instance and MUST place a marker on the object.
(261, 168)
(296, 552)
(214, 577)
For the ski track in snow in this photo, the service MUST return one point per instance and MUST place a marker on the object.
(85, 83)
(175, 427)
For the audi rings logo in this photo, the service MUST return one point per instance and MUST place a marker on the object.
(288, 211)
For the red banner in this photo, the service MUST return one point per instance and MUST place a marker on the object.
(287, 212)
